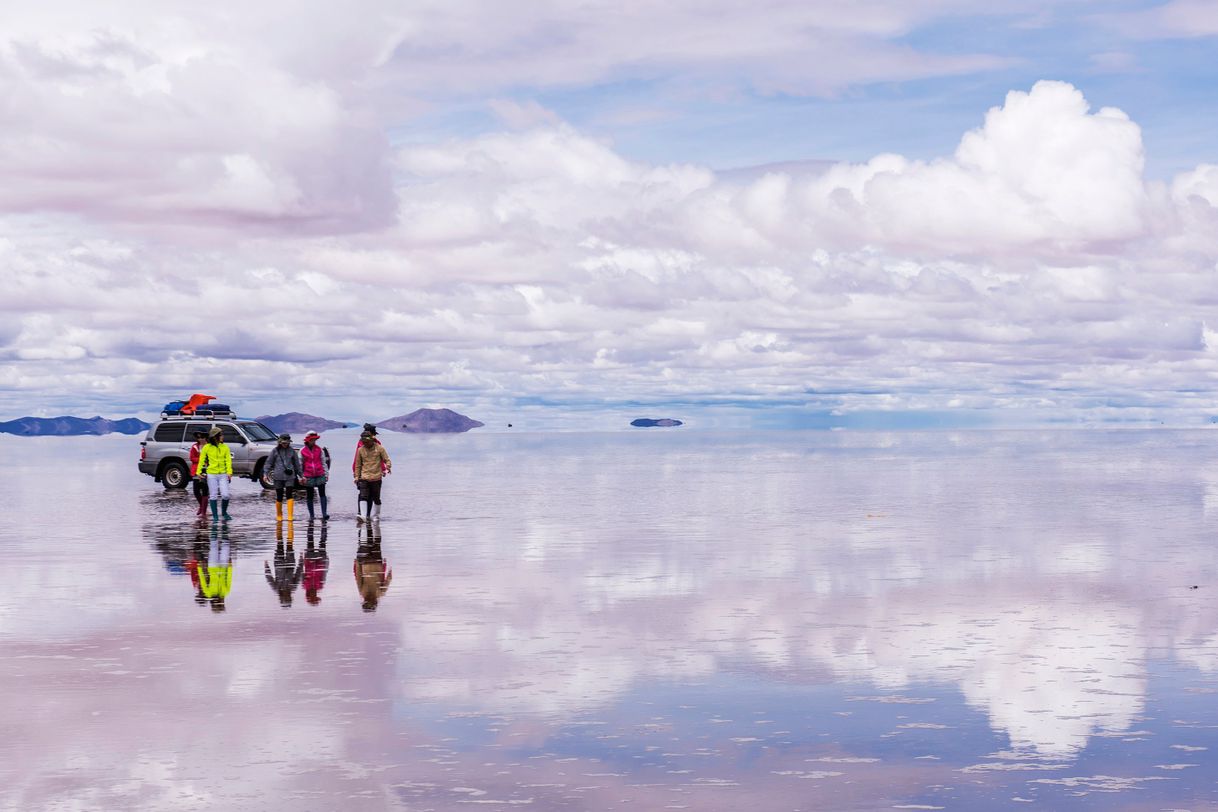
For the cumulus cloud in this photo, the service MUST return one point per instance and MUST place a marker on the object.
(1041, 172)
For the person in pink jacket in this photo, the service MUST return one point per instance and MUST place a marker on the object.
(315, 460)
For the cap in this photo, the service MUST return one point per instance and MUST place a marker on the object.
(285, 437)
(311, 435)
(199, 434)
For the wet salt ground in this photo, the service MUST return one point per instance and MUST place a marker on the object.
(650, 620)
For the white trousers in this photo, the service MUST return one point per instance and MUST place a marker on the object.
(217, 485)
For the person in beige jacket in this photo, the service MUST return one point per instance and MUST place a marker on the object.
(370, 465)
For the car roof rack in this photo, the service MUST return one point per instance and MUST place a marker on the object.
(200, 413)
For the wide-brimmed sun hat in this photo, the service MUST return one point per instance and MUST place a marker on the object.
(311, 435)
(215, 431)
(285, 438)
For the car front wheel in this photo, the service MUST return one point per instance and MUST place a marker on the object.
(174, 476)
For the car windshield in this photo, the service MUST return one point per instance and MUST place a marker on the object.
(257, 432)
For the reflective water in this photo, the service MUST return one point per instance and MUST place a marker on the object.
(650, 620)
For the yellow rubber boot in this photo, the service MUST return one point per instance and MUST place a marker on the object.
(278, 511)
(291, 509)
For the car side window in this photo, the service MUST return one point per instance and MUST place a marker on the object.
(231, 435)
(193, 427)
(169, 433)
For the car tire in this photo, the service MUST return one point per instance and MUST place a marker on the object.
(263, 479)
(174, 475)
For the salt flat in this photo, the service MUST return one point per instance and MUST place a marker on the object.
(647, 620)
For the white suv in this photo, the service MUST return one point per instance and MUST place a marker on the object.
(165, 451)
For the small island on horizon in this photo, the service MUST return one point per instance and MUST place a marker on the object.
(650, 422)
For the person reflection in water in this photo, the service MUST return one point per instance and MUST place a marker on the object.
(216, 573)
(316, 565)
(372, 573)
(197, 561)
(286, 575)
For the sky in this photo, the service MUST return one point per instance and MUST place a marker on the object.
(774, 214)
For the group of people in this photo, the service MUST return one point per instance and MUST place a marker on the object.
(211, 470)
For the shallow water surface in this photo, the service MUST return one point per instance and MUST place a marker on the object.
(646, 620)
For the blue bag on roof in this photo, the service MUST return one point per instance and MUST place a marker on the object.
(173, 406)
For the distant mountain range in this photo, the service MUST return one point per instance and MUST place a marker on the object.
(649, 422)
(71, 426)
(299, 422)
(420, 421)
(430, 421)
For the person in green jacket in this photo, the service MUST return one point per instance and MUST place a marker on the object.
(216, 462)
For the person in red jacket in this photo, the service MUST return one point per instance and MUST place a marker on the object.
(197, 480)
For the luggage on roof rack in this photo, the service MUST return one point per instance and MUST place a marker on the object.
(203, 413)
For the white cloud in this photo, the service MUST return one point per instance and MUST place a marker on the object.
(1040, 174)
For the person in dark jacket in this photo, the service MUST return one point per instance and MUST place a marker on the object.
(283, 468)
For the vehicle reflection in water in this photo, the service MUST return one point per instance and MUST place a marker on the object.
(285, 576)
(372, 572)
